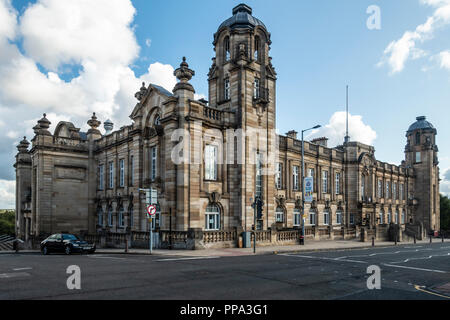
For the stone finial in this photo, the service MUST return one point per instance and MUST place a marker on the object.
(42, 126)
(94, 124)
(183, 73)
(23, 145)
(141, 93)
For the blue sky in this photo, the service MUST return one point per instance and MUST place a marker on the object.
(318, 48)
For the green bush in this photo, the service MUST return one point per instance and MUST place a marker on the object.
(7, 222)
(445, 213)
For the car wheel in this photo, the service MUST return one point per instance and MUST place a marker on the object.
(68, 250)
(92, 251)
(45, 250)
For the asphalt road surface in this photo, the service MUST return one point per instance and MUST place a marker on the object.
(407, 272)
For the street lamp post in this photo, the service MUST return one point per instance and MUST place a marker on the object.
(303, 180)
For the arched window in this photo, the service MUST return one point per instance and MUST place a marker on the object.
(212, 217)
(100, 217)
(297, 217)
(121, 217)
(257, 48)
(279, 215)
(110, 217)
(226, 46)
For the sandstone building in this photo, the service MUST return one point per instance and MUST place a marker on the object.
(89, 182)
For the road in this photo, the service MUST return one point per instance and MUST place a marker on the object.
(407, 272)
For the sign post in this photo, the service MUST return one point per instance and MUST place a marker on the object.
(151, 199)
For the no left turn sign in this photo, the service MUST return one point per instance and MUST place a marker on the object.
(151, 210)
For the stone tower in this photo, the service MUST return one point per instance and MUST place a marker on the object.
(422, 155)
(242, 80)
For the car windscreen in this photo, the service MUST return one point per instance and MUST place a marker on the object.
(69, 237)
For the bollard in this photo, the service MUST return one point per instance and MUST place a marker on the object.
(442, 235)
(126, 245)
(373, 242)
(414, 239)
(431, 239)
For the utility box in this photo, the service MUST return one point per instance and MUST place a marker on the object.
(246, 239)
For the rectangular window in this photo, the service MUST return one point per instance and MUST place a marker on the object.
(402, 192)
(352, 218)
(131, 172)
(111, 175)
(387, 195)
(394, 190)
(279, 216)
(211, 163)
(324, 181)
(259, 176)
(338, 217)
(279, 174)
(338, 183)
(403, 217)
(380, 188)
(101, 173)
(381, 217)
(212, 221)
(312, 217)
(311, 174)
(122, 172)
(154, 157)
(296, 217)
(295, 178)
(326, 218)
(256, 89)
(363, 187)
(227, 89)
(418, 157)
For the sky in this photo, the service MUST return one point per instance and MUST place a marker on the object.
(70, 58)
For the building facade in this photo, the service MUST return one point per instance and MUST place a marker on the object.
(208, 160)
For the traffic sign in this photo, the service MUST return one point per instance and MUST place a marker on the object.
(151, 210)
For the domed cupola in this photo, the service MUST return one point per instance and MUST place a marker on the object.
(242, 19)
(421, 124)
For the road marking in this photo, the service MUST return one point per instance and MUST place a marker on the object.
(412, 268)
(181, 259)
(422, 258)
(103, 257)
(323, 258)
(20, 269)
(13, 275)
(419, 288)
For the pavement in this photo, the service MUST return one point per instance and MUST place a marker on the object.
(407, 272)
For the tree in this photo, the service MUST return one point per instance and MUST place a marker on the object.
(445, 213)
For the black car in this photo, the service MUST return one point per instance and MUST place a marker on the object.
(67, 243)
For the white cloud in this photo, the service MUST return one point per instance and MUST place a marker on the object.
(335, 130)
(444, 186)
(8, 18)
(444, 58)
(94, 37)
(7, 194)
(148, 42)
(398, 52)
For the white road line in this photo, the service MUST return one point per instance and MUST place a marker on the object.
(412, 268)
(182, 259)
(20, 269)
(103, 257)
(323, 258)
(13, 275)
(422, 258)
